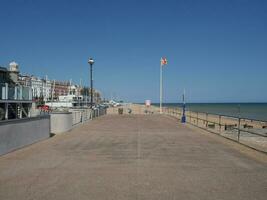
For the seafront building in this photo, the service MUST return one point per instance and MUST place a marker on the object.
(61, 88)
(18, 91)
(41, 88)
(4, 75)
(15, 99)
(36, 85)
(10, 75)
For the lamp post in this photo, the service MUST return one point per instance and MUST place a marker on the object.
(91, 62)
(183, 119)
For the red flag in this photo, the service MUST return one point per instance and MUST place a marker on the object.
(163, 61)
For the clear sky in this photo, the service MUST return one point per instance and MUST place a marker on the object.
(217, 50)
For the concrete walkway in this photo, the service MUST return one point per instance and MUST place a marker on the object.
(131, 157)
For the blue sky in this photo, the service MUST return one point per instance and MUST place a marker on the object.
(217, 50)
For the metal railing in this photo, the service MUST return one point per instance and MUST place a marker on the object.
(249, 132)
(83, 115)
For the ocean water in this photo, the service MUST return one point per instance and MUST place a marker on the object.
(257, 111)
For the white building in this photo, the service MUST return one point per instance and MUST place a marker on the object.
(47, 89)
(36, 84)
(41, 88)
(74, 90)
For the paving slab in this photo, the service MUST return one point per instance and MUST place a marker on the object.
(132, 157)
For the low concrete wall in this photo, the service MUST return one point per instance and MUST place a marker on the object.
(61, 122)
(15, 134)
(64, 121)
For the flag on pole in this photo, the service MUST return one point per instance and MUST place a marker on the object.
(163, 61)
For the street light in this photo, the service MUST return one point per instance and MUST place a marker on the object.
(91, 62)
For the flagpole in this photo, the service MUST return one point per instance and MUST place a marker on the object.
(160, 89)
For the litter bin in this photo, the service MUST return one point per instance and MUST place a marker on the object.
(120, 110)
(129, 110)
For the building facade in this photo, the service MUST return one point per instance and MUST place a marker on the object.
(4, 75)
(43, 89)
(15, 98)
(47, 89)
(61, 88)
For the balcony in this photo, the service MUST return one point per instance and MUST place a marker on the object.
(15, 93)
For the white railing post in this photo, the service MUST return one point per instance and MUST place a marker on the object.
(30, 94)
(6, 91)
(20, 93)
(16, 93)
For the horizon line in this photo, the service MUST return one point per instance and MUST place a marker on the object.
(203, 102)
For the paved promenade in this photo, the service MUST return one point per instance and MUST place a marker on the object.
(146, 157)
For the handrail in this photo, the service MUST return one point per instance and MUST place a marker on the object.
(194, 118)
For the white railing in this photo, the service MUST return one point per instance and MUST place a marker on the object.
(83, 115)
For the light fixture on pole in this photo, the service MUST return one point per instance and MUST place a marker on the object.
(91, 62)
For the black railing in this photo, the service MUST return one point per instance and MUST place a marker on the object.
(250, 132)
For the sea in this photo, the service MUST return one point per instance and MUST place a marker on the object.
(256, 111)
